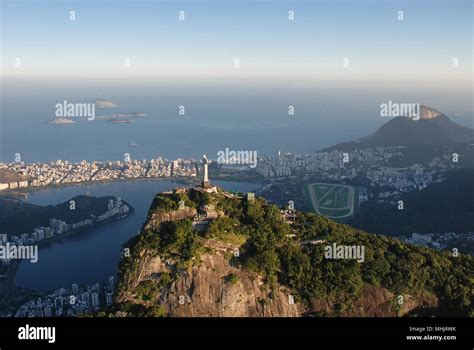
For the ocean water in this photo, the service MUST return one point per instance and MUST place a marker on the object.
(217, 115)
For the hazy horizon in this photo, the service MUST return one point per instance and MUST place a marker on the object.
(151, 61)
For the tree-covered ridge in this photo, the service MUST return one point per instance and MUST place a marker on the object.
(283, 254)
(389, 263)
(170, 201)
(447, 206)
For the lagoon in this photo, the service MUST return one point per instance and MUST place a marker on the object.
(91, 256)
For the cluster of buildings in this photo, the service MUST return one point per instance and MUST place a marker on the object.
(58, 228)
(439, 240)
(368, 165)
(406, 179)
(74, 301)
(372, 163)
(415, 177)
(64, 172)
(331, 165)
(11, 180)
(114, 208)
(13, 185)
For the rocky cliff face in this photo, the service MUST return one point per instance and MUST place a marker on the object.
(156, 218)
(190, 274)
(429, 113)
(214, 288)
(376, 302)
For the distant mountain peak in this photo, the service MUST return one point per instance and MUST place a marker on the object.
(431, 128)
(429, 113)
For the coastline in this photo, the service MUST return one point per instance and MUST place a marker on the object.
(11, 295)
(9, 291)
(50, 240)
(180, 180)
(24, 190)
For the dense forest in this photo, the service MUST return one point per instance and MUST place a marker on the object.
(441, 207)
(271, 247)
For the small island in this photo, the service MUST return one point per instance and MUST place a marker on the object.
(61, 121)
(122, 116)
(101, 103)
(119, 121)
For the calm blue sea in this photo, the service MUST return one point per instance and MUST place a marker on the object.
(216, 116)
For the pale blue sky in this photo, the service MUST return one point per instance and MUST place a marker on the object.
(258, 33)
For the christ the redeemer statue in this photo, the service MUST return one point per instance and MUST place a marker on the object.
(205, 180)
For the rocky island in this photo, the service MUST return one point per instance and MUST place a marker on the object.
(61, 121)
(101, 103)
(119, 121)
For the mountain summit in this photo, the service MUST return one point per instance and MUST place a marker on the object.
(429, 113)
(431, 128)
(223, 254)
